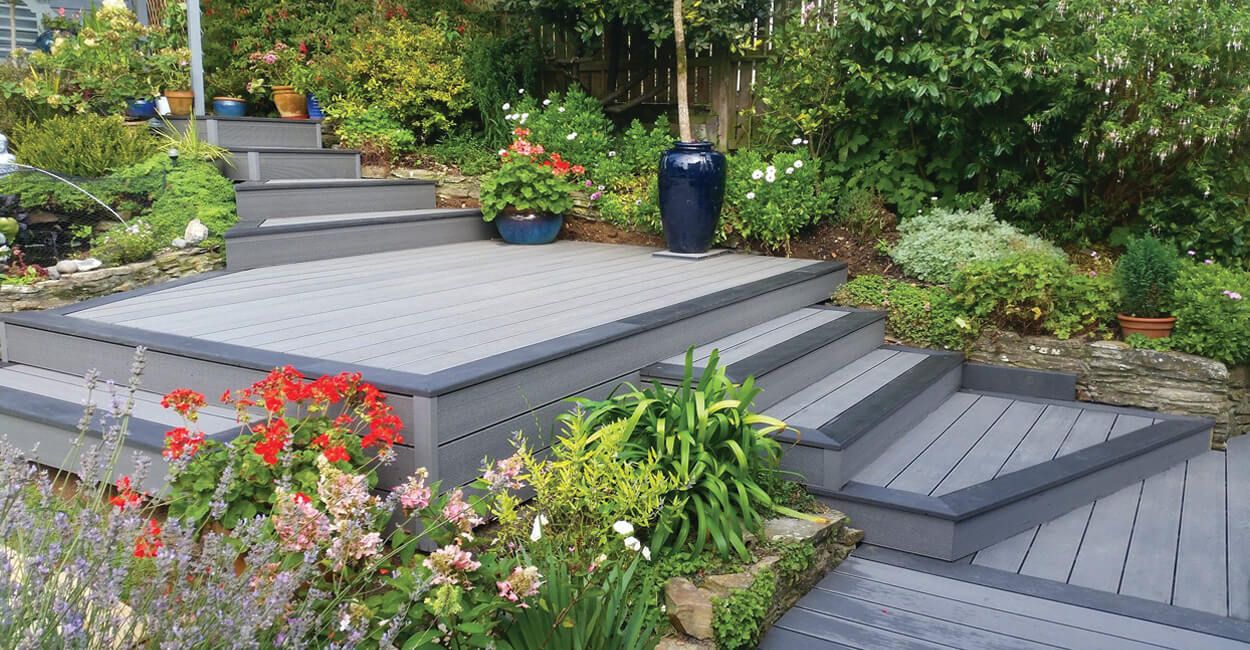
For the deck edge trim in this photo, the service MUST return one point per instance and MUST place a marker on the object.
(255, 228)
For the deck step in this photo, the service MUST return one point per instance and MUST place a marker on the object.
(277, 163)
(254, 131)
(274, 199)
(786, 353)
(253, 244)
(40, 410)
(842, 421)
(981, 467)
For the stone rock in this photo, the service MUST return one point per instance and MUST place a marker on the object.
(673, 643)
(689, 608)
(38, 217)
(66, 267)
(53, 274)
(196, 232)
(179, 243)
(786, 529)
(850, 536)
(725, 584)
(89, 264)
(763, 563)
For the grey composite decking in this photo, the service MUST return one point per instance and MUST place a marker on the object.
(253, 163)
(865, 604)
(243, 132)
(1181, 537)
(272, 199)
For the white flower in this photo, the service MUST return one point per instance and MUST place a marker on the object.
(804, 140)
(798, 164)
(770, 170)
(646, 553)
(750, 195)
(536, 533)
(796, 141)
(789, 170)
(560, 109)
(345, 623)
(571, 136)
(510, 116)
(520, 91)
(524, 116)
(757, 174)
(503, 152)
(633, 544)
(546, 102)
(507, 106)
(623, 528)
(611, 154)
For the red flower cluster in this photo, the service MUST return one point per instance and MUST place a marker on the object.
(534, 152)
(275, 435)
(126, 495)
(182, 442)
(150, 542)
(185, 402)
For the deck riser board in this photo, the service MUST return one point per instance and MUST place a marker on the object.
(256, 132)
(242, 165)
(281, 201)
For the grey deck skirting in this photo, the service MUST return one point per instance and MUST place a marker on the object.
(964, 521)
(267, 163)
(1020, 381)
(409, 383)
(282, 198)
(255, 131)
(266, 227)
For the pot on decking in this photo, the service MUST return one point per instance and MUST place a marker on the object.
(229, 107)
(1151, 328)
(180, 101)
(692, 190)
(528, 227)
(291, 105)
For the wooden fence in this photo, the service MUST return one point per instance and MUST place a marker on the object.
(626, 71)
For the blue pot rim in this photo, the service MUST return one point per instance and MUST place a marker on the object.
(697, 145)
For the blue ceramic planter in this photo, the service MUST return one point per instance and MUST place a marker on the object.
(227, 107)
(44, 41)
(536, 228)
(314, 108)
(141, 108)
(692, 189)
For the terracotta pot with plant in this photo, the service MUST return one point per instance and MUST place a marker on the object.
(275, 68)
(1146, 274)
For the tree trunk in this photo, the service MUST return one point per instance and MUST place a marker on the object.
(683, 99)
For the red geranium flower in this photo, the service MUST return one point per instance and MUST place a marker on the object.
(126, 495)
(150, 542)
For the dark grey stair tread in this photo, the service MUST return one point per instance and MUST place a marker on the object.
(299, 150)
(248, 118)
(327, 183)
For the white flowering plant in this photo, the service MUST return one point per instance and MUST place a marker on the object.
(771, 199)
(573, 124)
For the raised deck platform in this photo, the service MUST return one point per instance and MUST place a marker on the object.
(471, 339)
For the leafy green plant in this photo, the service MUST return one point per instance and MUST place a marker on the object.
(1032, 292)
(572, 123)
(863, 213)
(189, 144)
(1212, 315)
(466, 151)
(530, 179)
(737, 618)
(497, 61)
(936, 242)
(1145, 274)
(635, 154)
(924, 316)
(134, 242)
(703, 434)
(1143, 342)
(379, 136)
(82, 145)
(193, 189)
(770, 200)
(634, 204)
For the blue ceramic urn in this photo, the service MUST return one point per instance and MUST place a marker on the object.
(528, 228)
(692, 189)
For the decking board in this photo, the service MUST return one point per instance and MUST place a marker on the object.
(1150, 564)
(829, 407)
(983, 461)
(1202, 556)
(898, 456)
(750, 341)
(936, 461)
(786, 408)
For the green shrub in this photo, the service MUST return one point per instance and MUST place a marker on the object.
(1033, 291)
(193, 189)
(82, 145)
(573, 124)
(770, 200)
(934, 243)
(923, 316)
(134, 242)
(636, 153)
(377, 135)
(468, 152)
(863, 213)
(1145, 275)
(1212, 317)
(496, 63)
(704, 435)
(1143, 342)
(525, 185)
(634, 204)
(737, 618)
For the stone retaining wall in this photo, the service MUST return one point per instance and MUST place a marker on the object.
(68, 289)
(1111, 372)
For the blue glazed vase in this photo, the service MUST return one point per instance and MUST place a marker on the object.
(314, 108)
(530, 228)
(44, 41)
(692, 189)
(229, 107)
(141, 108)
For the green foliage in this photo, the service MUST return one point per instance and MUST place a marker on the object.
(82, 145)
(769, 200)
(524, 185)
(377, 135)
(705, 436)
(583, 612)
(923, 316)
(1145, 274)
(936, 242)
(193, 189)
(134, 242)
(468, 152)
(634, 204)
(793, 558)
(1212, 317)
(573, 124)
(737, 619)
(707, 21)
(636, 154)
(863, 213)
(1033, 291)
(409, 70)
(496, 63)
(1143, 342)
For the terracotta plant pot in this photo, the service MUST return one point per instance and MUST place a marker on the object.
(180, 101)
(1151, 328)
(291, 105)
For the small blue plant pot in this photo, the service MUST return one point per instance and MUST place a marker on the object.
(314, 108)
(529, 229)
(229, 107)
(141, 108)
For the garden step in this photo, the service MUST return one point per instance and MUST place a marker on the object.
(248, 132)
(40, 410)
(786, 353)
(252, 244)
(981, 467)
(272, 199)
(842, 421)
(269, 163)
